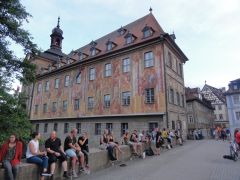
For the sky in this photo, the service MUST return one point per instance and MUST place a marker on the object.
(207, 31)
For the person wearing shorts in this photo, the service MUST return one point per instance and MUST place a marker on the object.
(55, 152)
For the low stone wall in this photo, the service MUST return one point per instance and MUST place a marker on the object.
(98, 159)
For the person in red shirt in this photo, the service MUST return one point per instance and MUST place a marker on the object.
(10, 157)
(237, 136)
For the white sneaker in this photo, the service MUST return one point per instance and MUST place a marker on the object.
(75, 174)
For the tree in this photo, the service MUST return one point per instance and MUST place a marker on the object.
(13, 117)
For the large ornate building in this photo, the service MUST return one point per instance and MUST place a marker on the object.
(233, 104)
(131, 78)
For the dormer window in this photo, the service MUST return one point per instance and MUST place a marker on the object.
(129, 38)
(93, 51)
(110, 45)
(147, 31)
(49, 68)
(121, 31)
(81, 56)
(68, 60)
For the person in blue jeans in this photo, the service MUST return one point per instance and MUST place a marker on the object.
(35, 156)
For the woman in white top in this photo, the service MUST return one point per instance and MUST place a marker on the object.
(35, 156)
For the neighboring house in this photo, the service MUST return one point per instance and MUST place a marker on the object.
(131, 78)
(233, 104)
(200, 112)
(218, 101)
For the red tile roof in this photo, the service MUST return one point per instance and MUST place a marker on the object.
(134, 28)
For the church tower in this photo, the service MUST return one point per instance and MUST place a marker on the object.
(56, 37)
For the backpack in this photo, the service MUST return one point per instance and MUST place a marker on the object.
(149, 152)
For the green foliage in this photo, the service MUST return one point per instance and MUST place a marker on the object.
(13, 116)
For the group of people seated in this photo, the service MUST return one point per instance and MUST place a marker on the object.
(76, 150)
(141, 142)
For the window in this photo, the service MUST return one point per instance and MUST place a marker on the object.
(37, 128)
(76, 104)
(180, 69)
(220, 117)
(148, 59)
(126, 98)
(147, 31)
(178, 98)
(109, 46)
(36, 109)
(219, 107)
(45, 108)
(66, 127)
(90, 102)
(98, 129)
(108, 70)
(47, 86)
(92, 74)
(78, 78)
(107, 100)
(173, 125)
(54, 106)
(45, 127)
(39, 88)
(190, 119)
(81, 56)
(149, 95)
(93, 51)
(237, 115)
(171, 96)
(152, 126)
(55, 127)
(56, 83)
(66, 80)
(129, 39)
(124, 128)
(126, 65)
(183, 101)
(236, 99)
(235, 87)
(121, 31)
(169, 60)
(78, 127)
(109, 126)
(65, 105)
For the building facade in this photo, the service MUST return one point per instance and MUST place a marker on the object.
(131, 78)
(200, 113)
(218, 101)
(233, 104)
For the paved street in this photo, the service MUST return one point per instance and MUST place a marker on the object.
(196, 160)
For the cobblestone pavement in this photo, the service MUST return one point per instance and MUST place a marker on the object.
(196, 160)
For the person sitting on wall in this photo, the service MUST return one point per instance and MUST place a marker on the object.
(10, 157)
(126, 138)
(54, 152)
(114, 144)
(83, 143)
(104, 145)
(72, 150)
(35, 156)
(136, 145)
